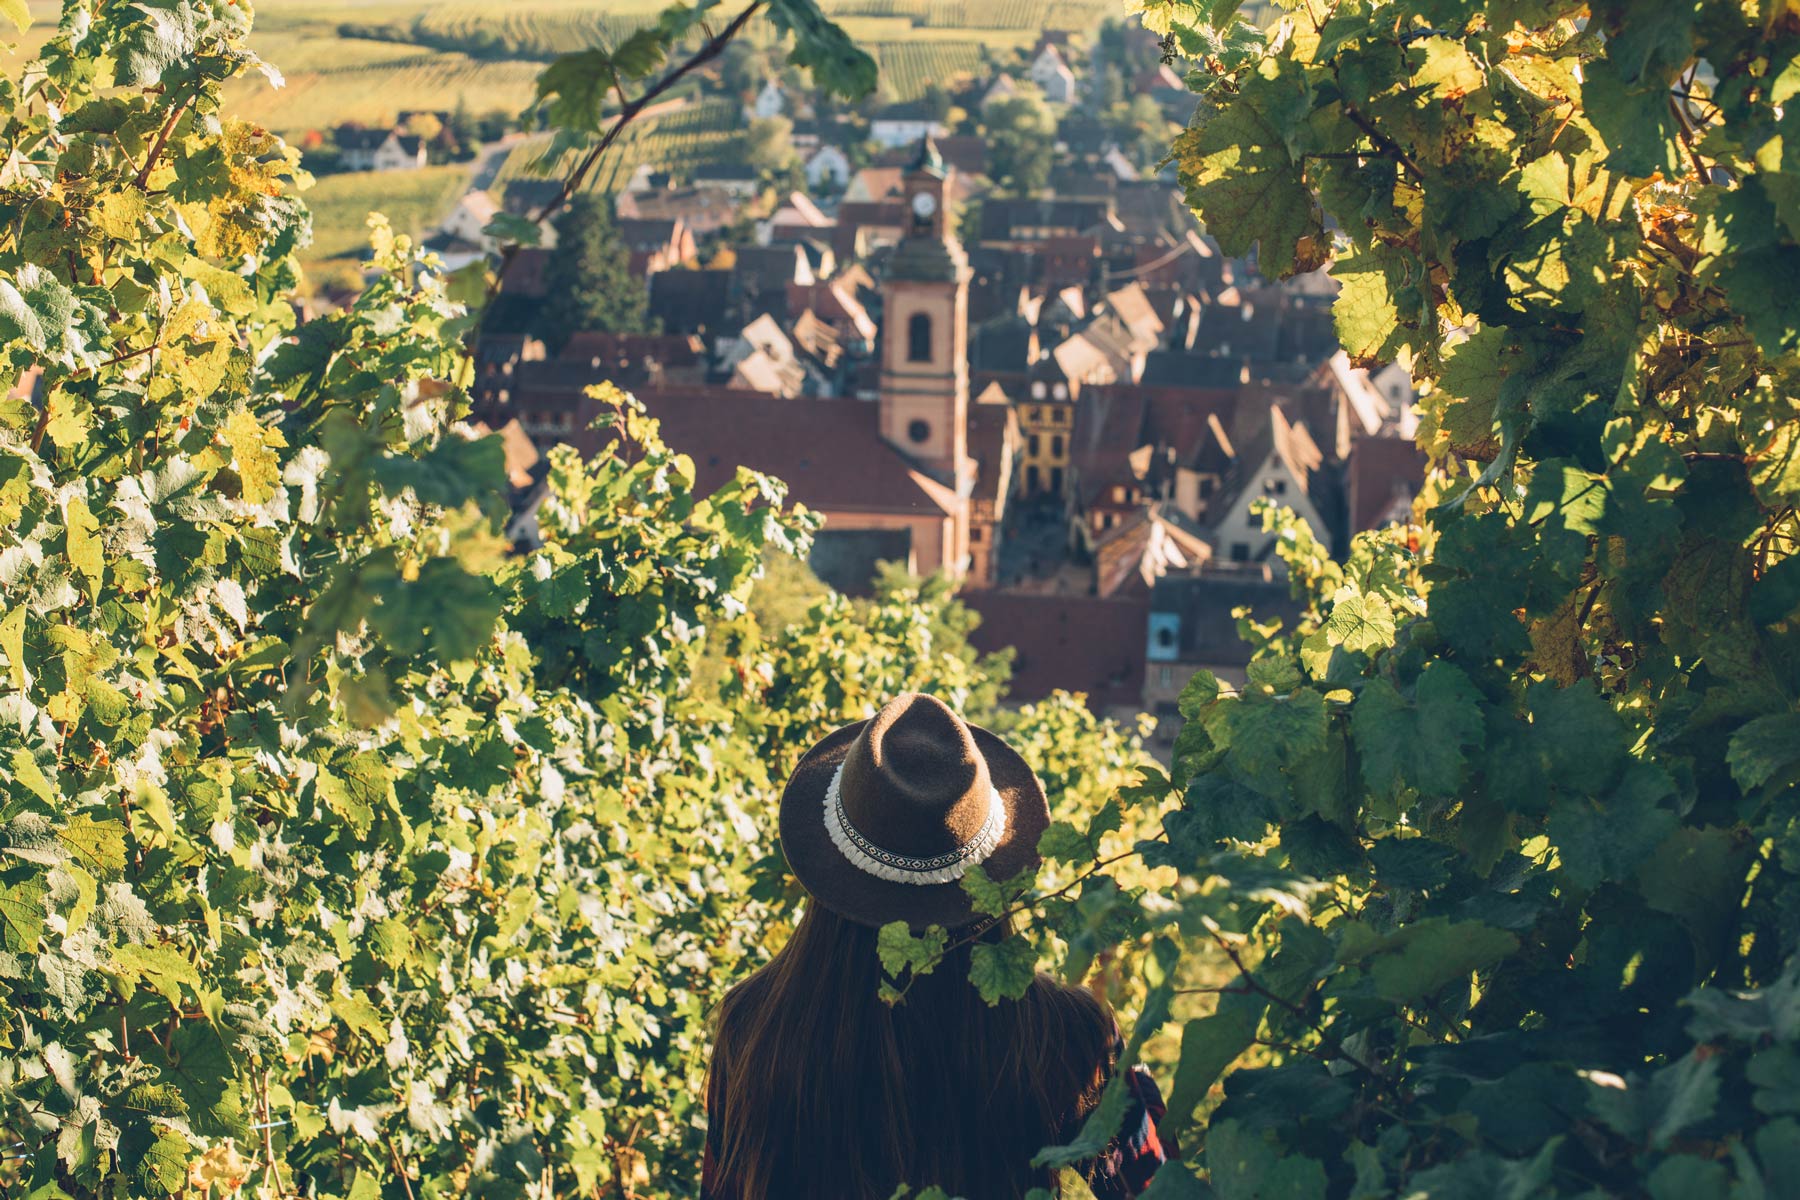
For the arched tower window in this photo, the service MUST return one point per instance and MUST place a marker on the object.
(918, 338)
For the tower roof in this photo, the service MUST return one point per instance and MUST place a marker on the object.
(928, 159)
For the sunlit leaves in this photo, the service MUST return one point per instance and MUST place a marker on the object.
(1423, 958)
(820, 46)
(1568, 702)
(1002, 970)
(904, 954)
(1243, 178)
(49, 318)
(155, 36)
(1368, 323)
(289, 790)
(578, 87)
(578, 90)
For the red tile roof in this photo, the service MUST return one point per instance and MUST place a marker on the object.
(1078, 643)
(830, 453)
(1380, 472)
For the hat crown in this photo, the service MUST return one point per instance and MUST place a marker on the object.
(914, 782)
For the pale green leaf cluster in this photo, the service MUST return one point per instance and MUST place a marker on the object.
(342, 852)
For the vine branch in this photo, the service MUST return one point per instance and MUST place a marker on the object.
(572, 183)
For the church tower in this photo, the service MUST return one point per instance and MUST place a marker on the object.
(925, 331)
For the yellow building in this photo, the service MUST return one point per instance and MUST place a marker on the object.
(1046, 420)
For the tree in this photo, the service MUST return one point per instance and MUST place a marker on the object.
(425, 126)
(1140, 129)
(1498, 840)
(463, 127)
(952, 623)
(1021, 133)
(769, 146)
(743, 69)
(1111, 92)
(937, 101)
(588, 284)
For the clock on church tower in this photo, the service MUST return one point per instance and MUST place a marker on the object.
(925, 328)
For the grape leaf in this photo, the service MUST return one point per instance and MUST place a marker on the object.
(1243, 179)
(1764, 748)
(1250, 1164)
(1003, 969)
(1421, 745)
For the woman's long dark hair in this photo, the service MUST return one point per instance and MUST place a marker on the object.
(819, 1091)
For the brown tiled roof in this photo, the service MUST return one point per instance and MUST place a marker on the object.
(1086, 359)
(669, 349)
(1287, 440)
(1109, 425)
(525, 274)
(835, 302)
(768, 268)
(704, 209)
(1195, 421)
(1156, 77)
(1151, 543)
(830, 453)
(1207, 634)
(847, 559)
(874, 184)
(1381, 471)
(760, 372)
(690, 300)
(1078, 643)
(646, 233)
(991, 425)
(1133, 307)
(521, 455)
(818, 339)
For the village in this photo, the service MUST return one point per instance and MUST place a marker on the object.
(1056, 390)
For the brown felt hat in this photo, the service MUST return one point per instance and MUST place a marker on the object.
(881, 819)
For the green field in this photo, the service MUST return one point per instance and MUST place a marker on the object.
(344, 61)
(704, 132)
(364, 63)
(413, 202)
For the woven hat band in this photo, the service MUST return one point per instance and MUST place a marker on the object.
(874, 860)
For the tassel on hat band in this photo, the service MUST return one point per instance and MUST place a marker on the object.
(871, 859)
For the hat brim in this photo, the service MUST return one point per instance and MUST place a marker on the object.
(838, 884)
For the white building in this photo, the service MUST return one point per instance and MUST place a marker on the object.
(1050, 71)
(828, 169)
(770, 102)
(468, 220)
(1276, 464)
(380, 150)
(904, 125)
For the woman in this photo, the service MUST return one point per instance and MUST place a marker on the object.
(818, 1090)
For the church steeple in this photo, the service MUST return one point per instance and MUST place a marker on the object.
(928, 249)
(925, 328)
